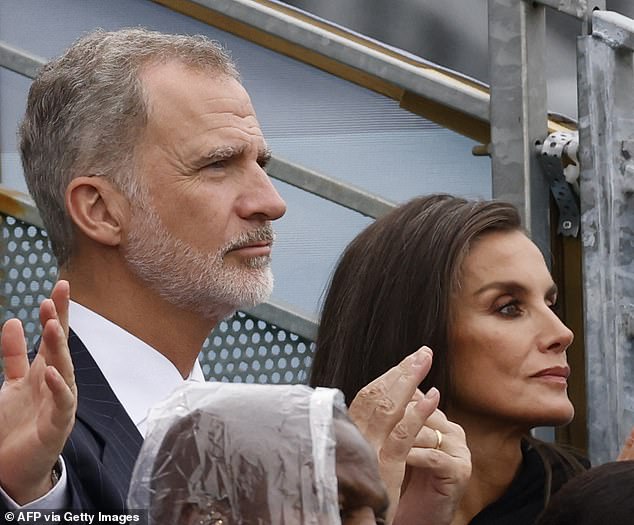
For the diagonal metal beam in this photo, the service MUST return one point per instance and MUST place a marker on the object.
(286, 317)
(19, 61)
(328, 188)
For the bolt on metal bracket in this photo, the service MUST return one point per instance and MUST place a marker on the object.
(558, 157)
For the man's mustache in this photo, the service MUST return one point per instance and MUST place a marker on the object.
(263, 234)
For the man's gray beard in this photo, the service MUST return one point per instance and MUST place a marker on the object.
(192, 280)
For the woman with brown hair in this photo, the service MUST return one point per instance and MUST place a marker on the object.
(462, 278)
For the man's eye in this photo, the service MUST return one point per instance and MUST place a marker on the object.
(218, 165)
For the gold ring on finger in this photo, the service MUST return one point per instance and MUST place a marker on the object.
(438, 439)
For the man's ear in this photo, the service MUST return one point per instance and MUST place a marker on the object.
(98, 209)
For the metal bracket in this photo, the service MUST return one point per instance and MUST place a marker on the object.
(577, 8)
(558, 157)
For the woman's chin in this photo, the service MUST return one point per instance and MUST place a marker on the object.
(558, 416)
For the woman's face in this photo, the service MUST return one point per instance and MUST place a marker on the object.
(507, 346)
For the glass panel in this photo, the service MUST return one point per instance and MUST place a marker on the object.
(13, 90)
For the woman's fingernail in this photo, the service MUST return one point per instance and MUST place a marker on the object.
(422, 356)
(432, 393)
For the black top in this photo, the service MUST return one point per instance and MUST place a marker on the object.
(523, 502)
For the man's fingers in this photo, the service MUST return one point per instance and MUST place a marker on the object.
(47, 311)
(63, 398)
(16, 363)
(381, 404)
(58, 415)
(55, 347)
(61, 298)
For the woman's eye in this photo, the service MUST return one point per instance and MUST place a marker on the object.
(511, 309)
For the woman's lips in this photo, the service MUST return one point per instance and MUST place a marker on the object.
(556, 374)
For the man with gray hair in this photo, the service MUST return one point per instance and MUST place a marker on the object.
(145, 158)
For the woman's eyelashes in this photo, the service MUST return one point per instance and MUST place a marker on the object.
(509, 308)
(513, 307)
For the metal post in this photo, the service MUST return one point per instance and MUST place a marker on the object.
(518, 113)
(606, 140)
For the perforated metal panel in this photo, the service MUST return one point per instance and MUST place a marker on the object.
(249, 350)
(240, 349)
(29, 271)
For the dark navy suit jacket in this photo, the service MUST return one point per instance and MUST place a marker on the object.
(104, 443)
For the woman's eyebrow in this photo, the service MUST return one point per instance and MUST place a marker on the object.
(552, 291)
(514, 287)
(506, 286)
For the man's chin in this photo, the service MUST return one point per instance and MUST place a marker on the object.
(225, 311)
(258, 263)
(256, 287)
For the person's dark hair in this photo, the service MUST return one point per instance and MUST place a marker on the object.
(600, 495)
(391, 291)
(391, 294)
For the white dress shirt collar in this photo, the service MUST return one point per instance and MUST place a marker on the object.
(138, 375)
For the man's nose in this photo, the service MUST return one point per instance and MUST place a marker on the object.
(261, 200)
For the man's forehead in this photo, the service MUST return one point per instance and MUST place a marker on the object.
(194, 89)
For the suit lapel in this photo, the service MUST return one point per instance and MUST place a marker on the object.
(100, 410)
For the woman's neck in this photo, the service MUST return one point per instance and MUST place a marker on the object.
(496, 456)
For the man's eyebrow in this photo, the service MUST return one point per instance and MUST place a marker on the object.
(264, 156)
(223, 152)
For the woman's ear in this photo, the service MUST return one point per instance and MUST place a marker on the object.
(98, 210)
